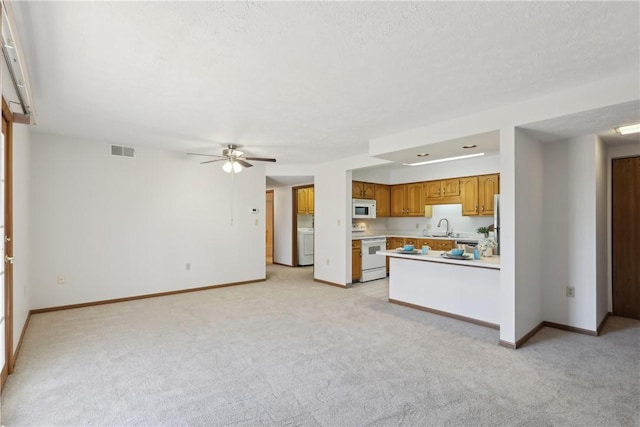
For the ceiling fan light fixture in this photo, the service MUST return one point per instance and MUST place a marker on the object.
(232, 166)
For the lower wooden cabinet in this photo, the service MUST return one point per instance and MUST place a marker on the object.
(443, 245)
(356, 259)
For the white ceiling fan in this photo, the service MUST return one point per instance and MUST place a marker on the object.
(235, 159)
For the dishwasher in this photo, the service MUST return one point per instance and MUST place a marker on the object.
(373, 266)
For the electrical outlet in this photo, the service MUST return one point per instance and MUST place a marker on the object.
(571, 291)
(61, 280)
(417, 226)
(327, 261)
(188, 266)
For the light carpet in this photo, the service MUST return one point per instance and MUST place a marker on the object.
(290, 351)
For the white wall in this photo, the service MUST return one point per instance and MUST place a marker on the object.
(570, 256)
(602, 251)
(21, 215)
(529, 199)
(117, 227)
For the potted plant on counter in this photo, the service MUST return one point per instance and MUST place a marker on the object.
(486, 247)
(483, 230)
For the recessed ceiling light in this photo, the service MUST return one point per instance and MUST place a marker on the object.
(468, 156)
(422, 154)
(469, 146)
(625, 130)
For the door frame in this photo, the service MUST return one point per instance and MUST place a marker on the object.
(294, 221)
(8, 224)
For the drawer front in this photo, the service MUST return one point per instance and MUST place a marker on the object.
(443, 245)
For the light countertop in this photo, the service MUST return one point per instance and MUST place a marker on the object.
(358, 236)
(435, 256)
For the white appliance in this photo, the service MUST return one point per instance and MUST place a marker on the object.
(363, 208)
(305, 246)
(373, 266)
(496, 222)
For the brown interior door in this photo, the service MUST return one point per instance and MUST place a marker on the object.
(625, 236)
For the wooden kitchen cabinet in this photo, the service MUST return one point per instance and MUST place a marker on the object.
(407, 200)
(488, 186)
(383, 200)
(477, 194)
(305, 201)
(442, 191)
(356, 259)
(469, 195)
(443, 245)
(395, 242)
(362, 190)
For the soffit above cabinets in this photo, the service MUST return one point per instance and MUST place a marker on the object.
(487, 142)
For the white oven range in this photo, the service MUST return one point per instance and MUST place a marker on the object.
(373, 266)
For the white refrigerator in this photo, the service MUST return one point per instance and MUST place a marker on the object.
(496, 222)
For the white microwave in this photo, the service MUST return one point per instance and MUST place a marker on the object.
(363, 209)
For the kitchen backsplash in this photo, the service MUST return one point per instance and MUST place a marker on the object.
(466, 226)
(305, 221)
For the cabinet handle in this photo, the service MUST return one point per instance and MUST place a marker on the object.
(476, 208)
(482, 208)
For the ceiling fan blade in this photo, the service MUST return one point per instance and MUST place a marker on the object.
(200, 154)
(260, 159)
(243, 163)
(211, 161)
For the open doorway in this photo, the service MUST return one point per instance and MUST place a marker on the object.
(303, 205)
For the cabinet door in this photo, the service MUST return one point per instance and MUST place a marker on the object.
(395, 243)
(356, 264)
(356, 190)
(488, 186)
(469, 195)
(310, 200)
(383, 200)
(450, 187)
(397, 200)
(303, 201)
(411, 241)
(414, 204)
(432, 190)
(368, 190)
(424, 242)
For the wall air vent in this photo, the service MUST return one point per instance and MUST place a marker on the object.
(123, 151)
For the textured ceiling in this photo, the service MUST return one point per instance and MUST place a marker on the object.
(304, 82)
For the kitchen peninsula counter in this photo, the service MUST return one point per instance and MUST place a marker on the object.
(463, 289)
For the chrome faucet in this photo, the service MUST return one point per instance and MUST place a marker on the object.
(447, 232)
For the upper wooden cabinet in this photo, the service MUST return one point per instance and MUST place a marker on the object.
(488, 186)
(305, 201)
(469, 195)
(442, 191)
(383, 200)
(407, 200)
(362, 190)
(477, 194)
